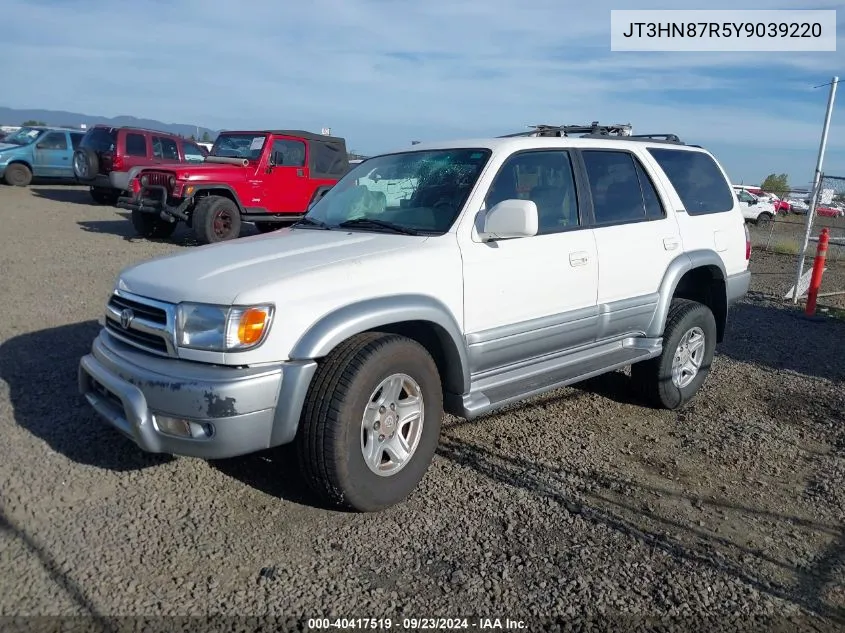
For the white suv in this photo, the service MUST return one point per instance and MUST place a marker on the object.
(755, 209)
(513, 267)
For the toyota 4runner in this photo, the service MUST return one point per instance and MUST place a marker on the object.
(513, 266)
(268, 178)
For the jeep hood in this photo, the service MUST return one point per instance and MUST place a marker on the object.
(218, 273)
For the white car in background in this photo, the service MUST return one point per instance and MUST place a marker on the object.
(756, 210)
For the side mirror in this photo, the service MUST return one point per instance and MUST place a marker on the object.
(510, 219)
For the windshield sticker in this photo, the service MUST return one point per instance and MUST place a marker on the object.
(257, 143)
(33, 133)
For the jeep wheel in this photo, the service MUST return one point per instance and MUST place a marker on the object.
(102, 195)
(371, 422)
(764, 220)
(670, 380)
(18, 175)
(151, 226)
(216, 219)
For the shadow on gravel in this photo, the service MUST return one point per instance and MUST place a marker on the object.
(41, 371)
(49, 564)
(783, 339)
(603, 501)
(274, 472)
(123, 228)
(72, 196)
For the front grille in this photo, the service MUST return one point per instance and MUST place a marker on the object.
(157, 315)
(158, 179)
(149, 326)
(143, 340)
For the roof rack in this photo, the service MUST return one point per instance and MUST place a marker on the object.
(594, 130)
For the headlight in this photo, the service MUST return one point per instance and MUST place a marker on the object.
(145, 180)
(222, 328)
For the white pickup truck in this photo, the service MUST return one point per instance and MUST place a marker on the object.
(512, 267)
(755, 209)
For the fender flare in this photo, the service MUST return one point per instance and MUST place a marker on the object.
(677, 268)
(369, 314)
(212, 186)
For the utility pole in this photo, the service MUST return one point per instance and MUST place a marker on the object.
(816, 188)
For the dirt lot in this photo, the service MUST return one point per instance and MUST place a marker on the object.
(580, 503)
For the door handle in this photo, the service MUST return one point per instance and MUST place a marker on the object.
(579, 259)
(670, 243)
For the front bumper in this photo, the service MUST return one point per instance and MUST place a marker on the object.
(239, 410)
(154, 199)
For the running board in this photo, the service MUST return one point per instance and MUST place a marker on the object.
(515, 385)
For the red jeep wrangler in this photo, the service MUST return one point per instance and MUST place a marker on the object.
(269, 178)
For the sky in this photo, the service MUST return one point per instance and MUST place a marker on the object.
(382, 73)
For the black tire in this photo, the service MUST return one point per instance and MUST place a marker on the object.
(18, 175)
(653, 377)
(329, 441)
(86, 165)
(764, 220)
(151, 226)
(102, 195)
(268, 227)
(216, 219)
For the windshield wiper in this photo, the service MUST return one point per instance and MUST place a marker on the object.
(382, 224)
(306, 221)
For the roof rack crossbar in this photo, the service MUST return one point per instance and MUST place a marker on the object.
(594, 130)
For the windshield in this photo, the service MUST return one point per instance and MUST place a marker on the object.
(422, 191)
(239, 146)
(23, 136)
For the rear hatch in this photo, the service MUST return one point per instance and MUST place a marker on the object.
(103, 142)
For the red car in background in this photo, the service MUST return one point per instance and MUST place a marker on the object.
(828, 212)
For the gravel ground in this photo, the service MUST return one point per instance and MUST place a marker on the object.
(582, 503)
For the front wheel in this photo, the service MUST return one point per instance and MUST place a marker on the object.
(216, 219)
(371, 422)
(18, 175)
(670, 380)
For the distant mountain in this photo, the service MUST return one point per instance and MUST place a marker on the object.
(11, 116)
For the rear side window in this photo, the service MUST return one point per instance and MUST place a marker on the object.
(697, 179)
(100, 139)
(136, 144)
(620, 189)
(76, 138)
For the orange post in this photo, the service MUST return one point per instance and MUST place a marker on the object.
(818, 270)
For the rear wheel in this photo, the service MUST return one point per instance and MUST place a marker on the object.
(764, 220)
(103, 195)
(670, 380)
(151, 226)
(216, 219)
(371, 422)
(18, 175)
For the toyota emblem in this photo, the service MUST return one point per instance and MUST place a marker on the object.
(126, 317)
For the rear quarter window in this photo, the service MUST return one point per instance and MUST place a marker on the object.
(696, 177)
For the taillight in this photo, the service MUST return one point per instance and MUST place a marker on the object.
(747, 243)
(117, 162)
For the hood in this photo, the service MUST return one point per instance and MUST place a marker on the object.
(218, 273)
(5, 146)
(200, 172)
